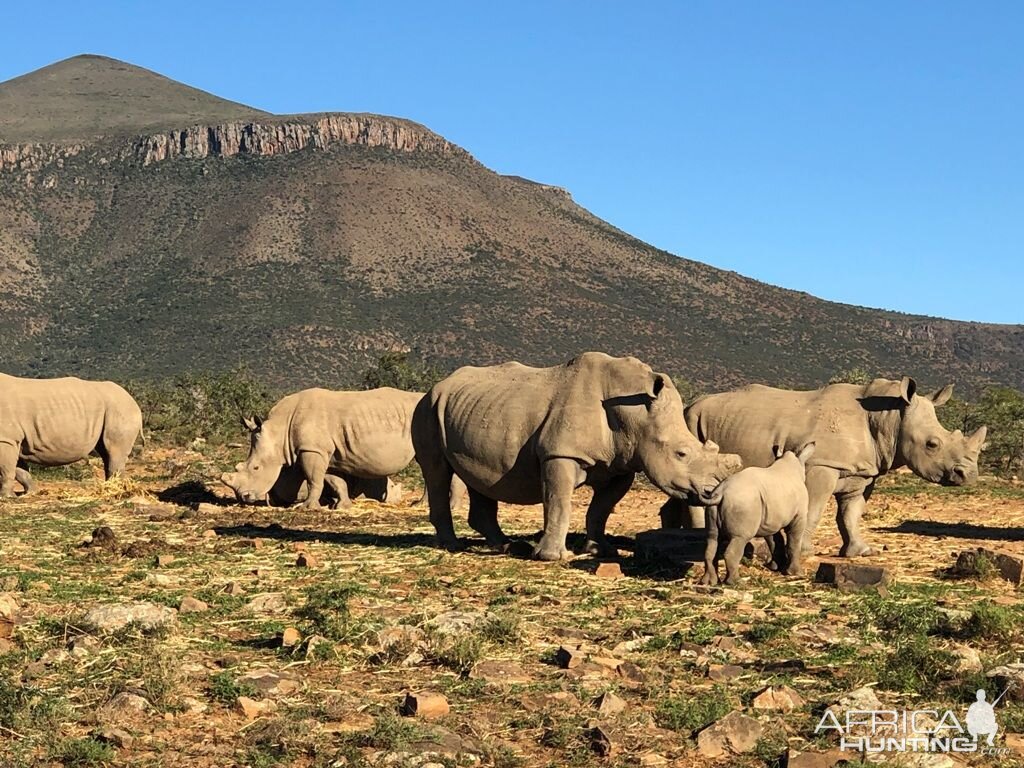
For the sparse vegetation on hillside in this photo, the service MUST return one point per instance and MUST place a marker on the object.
(401, 371)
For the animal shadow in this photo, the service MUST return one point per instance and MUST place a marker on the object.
(956, 530)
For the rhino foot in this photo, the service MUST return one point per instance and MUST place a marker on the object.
(708, 578)
(452, 545)
(856, 549)
(600, 549)
(794, 570)
(551, 553)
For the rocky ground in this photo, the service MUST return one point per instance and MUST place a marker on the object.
(154, 623)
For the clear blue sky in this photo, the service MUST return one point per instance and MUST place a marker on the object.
(867, 152)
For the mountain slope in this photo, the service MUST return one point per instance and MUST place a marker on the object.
(308, 245)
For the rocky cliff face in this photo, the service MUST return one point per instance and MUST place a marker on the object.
(235, 138)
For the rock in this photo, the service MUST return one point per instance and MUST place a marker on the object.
(249, 543)
(290, 637)
(253, 709)
(455, 622)
(118, 737)
(425, 705)
(205, 508)
(112, 617)
(609, 704)
(269, 682)
(190, 604)
(126, 705)
(354, 722)
(500, 673)
(600, 741)
(538, 702)
(852, 577)
(233, 588)
(1011, 677)
(162, 561)
(313, 643)
(967, 659)
(269, 602)
(54, 656)
(735, 733)
(400, 639)
(833, 757)
(195, 706)
(569, 658)
(306, 560)
(6, 646)
(652, 760)
(103, 537)
(780, 699)
(1009, 566)
(631, 672)
(158, 513)
(724, 672)
(608, 571)
(607, 662)
(209, 533)
(9, 613)
(160, 579)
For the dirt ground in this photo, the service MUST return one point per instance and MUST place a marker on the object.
(377, 612)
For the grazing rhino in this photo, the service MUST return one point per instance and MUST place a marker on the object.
(758, 502)
(330, 438)
(533, 435)
(861, 432)
(52, 422)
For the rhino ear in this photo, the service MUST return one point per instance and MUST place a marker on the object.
(658, 385)
(976, 442)
(778, 451)
(711, 446)
(249, 423)
(806, 452)
(942, 396)
(903, 389)
(907, 389)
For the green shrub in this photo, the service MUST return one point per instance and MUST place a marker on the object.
(401, 371)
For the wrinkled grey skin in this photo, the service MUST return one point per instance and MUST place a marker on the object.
(52, 422)
(758, 502)
(327, 439)
(291, 487)
(861, 431)
(527, 435)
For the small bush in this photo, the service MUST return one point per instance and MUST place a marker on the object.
(686, 714)
(327, 610)
(401, 371)
(225, 688)
(78, 752)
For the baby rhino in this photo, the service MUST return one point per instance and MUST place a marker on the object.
(758, 502)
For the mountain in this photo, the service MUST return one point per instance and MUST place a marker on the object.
(147, 228)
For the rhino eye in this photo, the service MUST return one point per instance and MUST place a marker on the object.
(932, 444)
(680, 454)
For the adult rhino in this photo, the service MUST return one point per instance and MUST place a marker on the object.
(861, 432)
(341, 439)
(533, 435)
(52, 422)
(291, 486)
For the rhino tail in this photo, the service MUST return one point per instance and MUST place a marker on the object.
(712, 499)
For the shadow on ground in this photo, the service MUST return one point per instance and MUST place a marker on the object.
(956, 530)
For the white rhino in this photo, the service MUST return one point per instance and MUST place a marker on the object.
(345, 440)
(291, 487)
(532, 435)
(861, 433)
(758, 502)
(52, 422)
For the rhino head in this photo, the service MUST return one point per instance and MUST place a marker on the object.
(930, 450)
(664, 449)
(253, 479)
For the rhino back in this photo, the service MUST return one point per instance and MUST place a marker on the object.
(56, 421)
(489, 420)
(753, 420)
(366, 434)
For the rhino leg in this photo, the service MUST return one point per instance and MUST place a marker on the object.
(437, 481)
(671, 513)
(114, 448)
(23, 476)
(794, 544)
(821, 484)
(339, 489)
(314, 467)
(601, 507)
(483, 518)
(8, 469)
(560, 477)
(733, 556)
(776, 544)
(851, 509)
(710, 576)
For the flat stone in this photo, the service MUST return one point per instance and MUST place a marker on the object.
(609, 571)
(1009, 566)
(269, 682)
(735, 733)
(455, 622)
(500, 673)
(162, 561)
(269, 602)
(356, 722)
(967, 659)
(425, 704)
(192, 605)
(630, 672)
(118, 737)
(852, 577)
(778, 699)
(1011, 677)
(307, 560)
(233, 588)
(724, 672)
(253, 709)
(609, 704)
(652, 760)
(569, 658)
(112, 617)
(538, 702)
(290, 637)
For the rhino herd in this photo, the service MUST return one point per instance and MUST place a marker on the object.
(755, 462)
